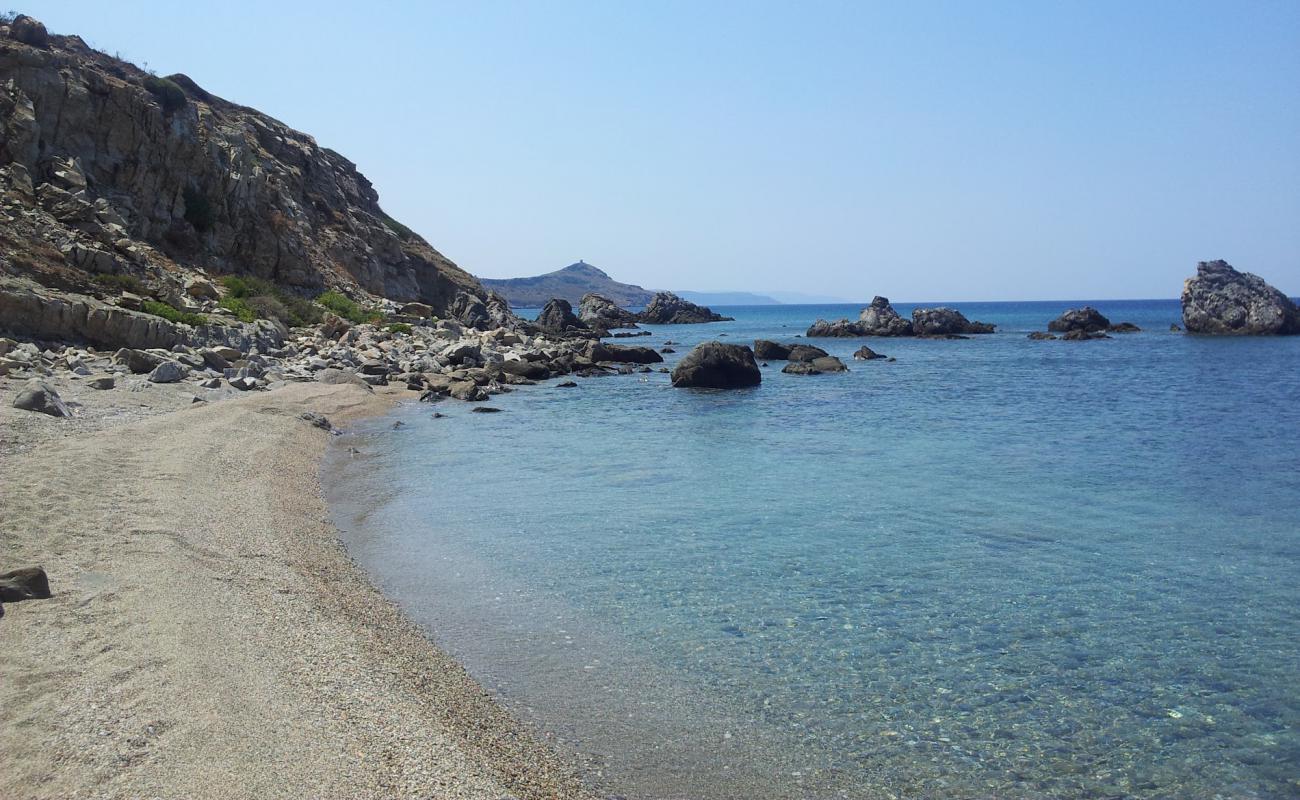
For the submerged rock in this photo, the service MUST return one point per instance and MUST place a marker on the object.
(1079, 335)
(1220, 300)
(865, 353)
(1041, 336)
(716, 365)
(805, 352)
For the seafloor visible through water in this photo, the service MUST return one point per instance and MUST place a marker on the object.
(993, 568)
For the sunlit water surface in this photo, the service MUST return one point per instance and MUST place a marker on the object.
(995, 567)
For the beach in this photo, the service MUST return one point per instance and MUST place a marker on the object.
(208, 634)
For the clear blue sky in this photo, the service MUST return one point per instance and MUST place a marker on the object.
(921, 150)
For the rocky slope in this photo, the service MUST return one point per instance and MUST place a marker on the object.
(106, 169)
(570, 284)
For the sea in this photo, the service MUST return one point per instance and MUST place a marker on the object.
(990, 568)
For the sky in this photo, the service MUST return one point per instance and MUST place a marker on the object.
(919, 150)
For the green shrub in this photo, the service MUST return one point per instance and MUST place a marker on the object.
(168, 94)
(124, 283)
(266, 306)
(347, 308)
(239, 307)
(400, 327)
(199, 211)
(172, 314)
(404, 233)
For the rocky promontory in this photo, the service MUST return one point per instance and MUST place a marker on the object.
(1221, 300)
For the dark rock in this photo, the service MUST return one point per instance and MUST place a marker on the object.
(566, 385)
(1079, 319)
(601, 312)
(28, 583)
(829, 364)
(945, 322)
(469, 391)
(102, 382)
(801, 368)
(599, 351)
(531, 370)
(805, 352)
(632, 334)
(718, 366)
(1220, 300)
(374, 366)
(1041, 336)
(841, 328)
(317, 420)
(1124, 327)
(1079, 335)
(558, 317)
(767, 349)
(485, 410)
(880, 319)
(1174, 328)
(667, 350)
(37, 395)
(865, 353)
(666, 308)
(29, 31)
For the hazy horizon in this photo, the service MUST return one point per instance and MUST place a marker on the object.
(964, 152)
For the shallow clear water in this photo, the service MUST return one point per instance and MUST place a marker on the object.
(996, 567)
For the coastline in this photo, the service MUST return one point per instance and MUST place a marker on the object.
(210, 636)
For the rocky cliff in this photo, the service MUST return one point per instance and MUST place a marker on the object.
(108, 169)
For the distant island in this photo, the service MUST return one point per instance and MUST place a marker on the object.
(577, 279)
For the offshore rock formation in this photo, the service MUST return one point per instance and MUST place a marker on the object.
(107, 169)
(558, 317)
(714, 365)
(666, 308)
(599, 311)
(1221, 300)
(945, 322)
(880, 319)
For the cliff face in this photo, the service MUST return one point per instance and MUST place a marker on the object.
(105, 168)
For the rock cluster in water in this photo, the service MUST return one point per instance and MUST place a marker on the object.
(1221, 300)
(666, 308)
(880, 319)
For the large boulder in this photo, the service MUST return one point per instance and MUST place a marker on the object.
(815, 366)
(840, 328)
(599, 351)
(768, 350)
(599, 311)
(945, 322)
(1221, 300)
(168, 372)
(29, 31)
(805, 352)
(880, 319)
(715, 365)
(37, 395)
(558, 317)
(1079, 319)
(28, 583)
(666, 308)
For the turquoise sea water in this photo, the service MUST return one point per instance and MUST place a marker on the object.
(994, 568)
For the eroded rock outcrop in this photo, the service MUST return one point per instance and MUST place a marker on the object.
(558, 317)
(714, 365)
(880, 319)
(666, 308)
(1220, 300)
(109, 170)
(601, 312)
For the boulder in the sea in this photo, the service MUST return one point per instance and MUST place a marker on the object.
(599, 351)
(1080, 335)
(1123, 327)
(880, 319)
(805, 352)
(557, 317)
(666, 308)
(766, 349)
(1221, 300)
(1041, 336)
(715, 365)
(37, 395)
(840, 328)
(800, 368)
(485, 410)
(829, 364)
(865, 353)
(1079, 319)
(945, 322)
(601, 312)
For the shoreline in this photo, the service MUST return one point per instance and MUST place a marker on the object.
(210, 636)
